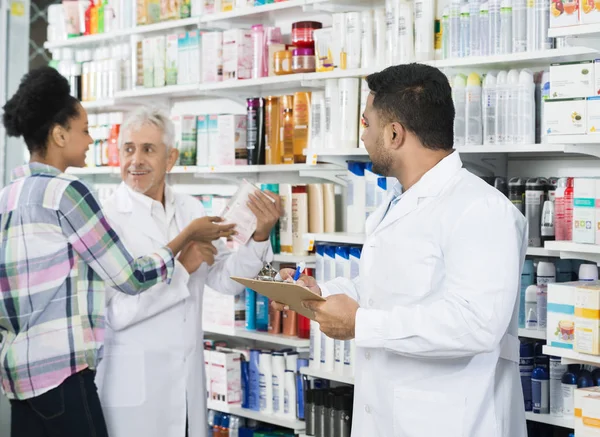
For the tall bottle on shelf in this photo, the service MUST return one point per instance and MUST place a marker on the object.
(484, 29)
(489, 101)
(519, 26)
(406, 43)
(255, 136)
(473, 119)
(512, 106)
(286, 130)
(465, 31)
(525, 109)
(272, 119)
(506, 27)
(424, 29)
(501, 107)
(494, 31)
(459, 96)
(301, 125)
(454, 29)
(474, 27)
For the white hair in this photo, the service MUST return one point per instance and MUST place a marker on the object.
(145, 115)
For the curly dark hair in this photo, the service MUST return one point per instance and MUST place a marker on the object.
(42, 101)
(418, 97)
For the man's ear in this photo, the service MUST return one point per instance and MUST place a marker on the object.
(397, 135)
(59, 135)
(172, 156)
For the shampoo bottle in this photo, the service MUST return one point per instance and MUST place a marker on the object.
(424, 30)
(301, 125)
(473, 119)
(459, 98)
(488, 103)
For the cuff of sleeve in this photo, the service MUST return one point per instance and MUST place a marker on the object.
(167, 262)
(182, 271)
(370, 327)
(261, 249)
(325, 290)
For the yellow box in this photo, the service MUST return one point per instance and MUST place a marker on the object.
(578, 396)
(587, 319)
(589, 424)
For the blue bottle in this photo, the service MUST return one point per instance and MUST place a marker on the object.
(540, 390)
(245, 374)
(585, 379)
(526, 368)
(254, 378)
(250, 310)
(302, 362)
(568, 385)
(526, 281)
(262, 313)
(564, 270)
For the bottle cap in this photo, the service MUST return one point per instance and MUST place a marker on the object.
(531, 293)
(588, 272)
(546, 269)
(473, 80)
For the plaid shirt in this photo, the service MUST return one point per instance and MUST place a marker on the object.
(57, 251)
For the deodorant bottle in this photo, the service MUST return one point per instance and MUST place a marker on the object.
(588, 272)
(516, 193)
(535, 193)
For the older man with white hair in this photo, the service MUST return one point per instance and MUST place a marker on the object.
(151, 380)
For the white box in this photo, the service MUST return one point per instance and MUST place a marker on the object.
(560, 328)
(589, 12)
(565, 116)
(572, 79)
(593, 115)
(148, 62)
(193, 50)
(578, 404)
(232, 140)
(584, 210)
(172, 57)
(587, 319)
(561, 16)
(187, 149)
(160, 63)
(237, 54)
(183, 75)
(225, 378)
(202, 157)
(588, 417)
(213, 139)
(597, 77)
(212, 57)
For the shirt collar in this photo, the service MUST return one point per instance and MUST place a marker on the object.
(34, 168)
(432, 182)
(147, 202)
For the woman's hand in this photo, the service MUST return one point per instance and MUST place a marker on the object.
(196, 253)
(207, 229)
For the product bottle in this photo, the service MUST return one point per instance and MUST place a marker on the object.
(525, 369)
(569, 209)
(299, 219)
(406, 41)
(88, 18)
(531, 319)
(367, 40)
(424, 30)
(542, 306)
(94, 18)
(100, 12)
(287, 134)
(519, 26)
(488, 104)
(542, 12)
(473, 118)
(540, 388)
(258, 50)
(289, 400)
(465, 31)
(495, 36)
(506, 22)
(557, 370)
(459, 98)
(585, 379)
(317, 121)
(546, 273)
(525, 109)
(588, 272)
(272, 118)
(569, 384)
(534, 201)
(391, 32)
(512, 106)
(255, 131)
(446, 33)
(474, 35)
(526, 281)
(484, 29)
(301, 125)
(348, 89)
(559, 210)
(116, 120)
(314, 357)
(501, 107)
(278, 379)
(454, 29)
(564, 270)
(266, 382)
(547, 228)
(540, 105)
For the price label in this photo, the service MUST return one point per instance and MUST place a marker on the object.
(313, 159)
(212, 169)
(309, 243)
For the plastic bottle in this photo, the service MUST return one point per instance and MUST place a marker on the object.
(454, 29)
(406, 38)
(473, 118)
(512, 106)
(459, 98)
(519, 26)
(488, 103)
(546, 273)
(278, 381)
(424, 30)
(465, 31)
(526, 281)
(542, 306)
(446, 33)
(501, 107)
(547, 229)
(557, 370)
(100, 12)
(494, 10)
(564, 270)
(506, 31)
(484, 29)
(391, 31)
(289, 401)
(525, 369)
(569, 210)
(531, 307)
(525, 109)
(569, 384)
(474, 35)
(542, 14)
(266, 382)
(540, 390)
(532, 42)
(544, 95)
(585, 379)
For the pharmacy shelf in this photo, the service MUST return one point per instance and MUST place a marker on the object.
(359, 151)
(569, 356)
(591, 139)
(99, 105)
(250, 11)
(184, 169)
(188, 90)
(93, 170)
(563, 422)
(587, 30)
(293, 259)
(277, 173)
(262, 86)
(540, 251)
(236, 410)
(532, 333)
(336, 237)
(515, 60)
(107, 38)
(263, 337)
(570, 250)
(316, 373)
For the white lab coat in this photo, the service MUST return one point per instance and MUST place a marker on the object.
(436, 333)
(153, 363)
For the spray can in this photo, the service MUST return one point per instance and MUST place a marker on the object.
(488, 104)
(473, 126)
(540, 390)
(535, 193)
(516, 193)
(557, 370)
(526, 368)
(526, 281)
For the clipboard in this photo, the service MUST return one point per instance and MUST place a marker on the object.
(287, 293)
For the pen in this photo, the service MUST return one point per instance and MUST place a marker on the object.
(298, 271)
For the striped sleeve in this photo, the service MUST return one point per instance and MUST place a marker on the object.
(87, 230)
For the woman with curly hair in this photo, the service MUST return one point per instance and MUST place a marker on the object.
(57, 251)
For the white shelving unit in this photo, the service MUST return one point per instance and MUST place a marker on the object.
(587, 30)
(315, 373)
(563, 422)
(569, 356)
(263, 337)
(532, 333)
(295, 425)
(570, 250)
(293, 259)
(336, 237)
(540, 251)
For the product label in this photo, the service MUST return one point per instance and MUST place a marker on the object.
(286, 402)
(557, 370)
(347, 357)
(540, 392)
(262, 386)
(275, 394)
(568, 394)
(338, 346)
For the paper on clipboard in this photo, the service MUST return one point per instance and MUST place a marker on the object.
(286, 293)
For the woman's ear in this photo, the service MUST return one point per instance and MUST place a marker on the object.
(59, 135)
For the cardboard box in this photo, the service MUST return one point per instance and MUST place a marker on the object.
(202, 141)
(584, 210)
(225, 378)
(193, 53)
(187, 149)
(593, 115)
(148, 61)
(212, 57)
(589, 13)
(213, 139)
(237, 54)
(572, 79)
(587, 319)
(160, 62)
(183, 72)
(583, 408)
(597, 218)
(565, 116)
(560, 328)
(564, 13)
(172, 59)
(232, 140)
(176, 119)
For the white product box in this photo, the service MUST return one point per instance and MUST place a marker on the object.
(183, 76)
(225, 378)
(597, 77)
(218, 310)
(187, 149)
(237, 54)
(194, 51)
(560, 328)
(172, 57)
(212, 57)
(202, 141)
(584, 210)
(578, 403)
(597, 219)
(148, 62)
(589, 12)
(232, 137)
(572, 79)
(160, 63)
(213, 139)
(586, 424)
(564, 13)
(587, 319)
(565, 116)
(593, 115)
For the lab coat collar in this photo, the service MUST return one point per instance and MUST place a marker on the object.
(431, 184)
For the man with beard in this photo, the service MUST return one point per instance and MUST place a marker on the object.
(151, 380)
(433, 310)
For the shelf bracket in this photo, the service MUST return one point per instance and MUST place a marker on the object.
(336, 176)
(591, 257)
(584, 149)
